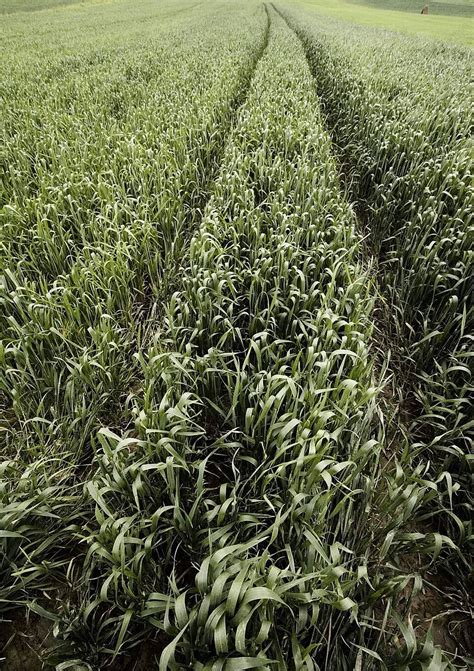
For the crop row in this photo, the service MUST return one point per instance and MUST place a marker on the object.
(401, 115)
(242, 518)
(104, 175)
(108, 157)
(180, 264)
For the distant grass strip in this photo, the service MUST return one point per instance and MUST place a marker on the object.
(12, 6)
(436, 7)
(452, 27)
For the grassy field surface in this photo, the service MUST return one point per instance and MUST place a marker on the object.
(236, 327)
(12, 6)
(455, 25)
(450, 20)
(436, 7)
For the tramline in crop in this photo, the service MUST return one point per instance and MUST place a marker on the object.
(207, 461)
(410, 165)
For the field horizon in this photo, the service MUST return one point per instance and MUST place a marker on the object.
(449, 20)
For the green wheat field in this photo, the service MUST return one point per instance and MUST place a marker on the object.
(236, 335)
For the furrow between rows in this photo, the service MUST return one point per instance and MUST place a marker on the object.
(231, 507)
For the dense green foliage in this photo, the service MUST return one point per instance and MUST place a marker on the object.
(410, 166)
(258, 390)
(202, 464)
(104, 173)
